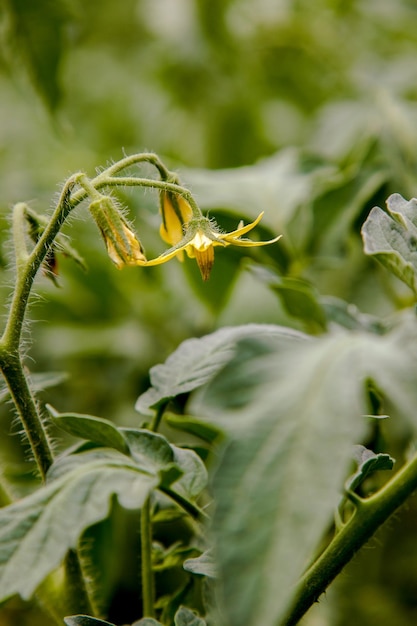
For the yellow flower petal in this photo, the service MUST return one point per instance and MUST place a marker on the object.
(162, 258)
(199, 240)
(176, 212)
(242, 230)
(247, 243)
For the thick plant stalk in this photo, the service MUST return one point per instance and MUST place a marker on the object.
(28, 413)
(369, 515)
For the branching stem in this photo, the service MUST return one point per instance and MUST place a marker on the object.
(11, 356)
(370, 514)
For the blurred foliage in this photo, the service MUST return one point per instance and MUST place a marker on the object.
(322, 96)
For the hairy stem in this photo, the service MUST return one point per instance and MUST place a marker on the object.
(75, 586)
(134, 159)
(132, 181)
(148, 583)
(370, 514)
(28, 412)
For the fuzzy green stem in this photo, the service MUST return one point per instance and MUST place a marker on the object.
(131, 181)
(75, 586)
(148, 579)
(27, 271)
(134, 159)
(148, 583)
(370, 514)
(19, 239)
(24, 401)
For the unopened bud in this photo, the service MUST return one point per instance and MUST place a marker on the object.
(123, 247)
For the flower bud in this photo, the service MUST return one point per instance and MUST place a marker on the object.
(123, 247)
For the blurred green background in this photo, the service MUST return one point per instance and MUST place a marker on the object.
(305, 110)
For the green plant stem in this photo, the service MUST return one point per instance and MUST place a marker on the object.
(24, 401)
(148, 583)
(27, 266)
(131, 181)
(156, 420)
(75, 586)
(192, 509)
(369, 515)
(134, 159)
(146, 532)
(19, 225)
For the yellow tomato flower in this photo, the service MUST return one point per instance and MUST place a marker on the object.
(196, 236)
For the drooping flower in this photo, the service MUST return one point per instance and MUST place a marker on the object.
(123, 247)
(196, 235)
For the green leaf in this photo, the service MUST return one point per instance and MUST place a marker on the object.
(185, 617)
(299, 298)
(147, 621)
(185, 467)
(368, 462)
(37, 34)
(194, 474)
(203, 430)
(392, 239)
(148, 447)
(335, 212)
(37, 531)
(196, 361)
(280, 477)
(278, 185)
(95, 429)
(204, 565)
(348, 316)
(86, 620)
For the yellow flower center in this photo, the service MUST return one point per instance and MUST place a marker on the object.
(201, 249)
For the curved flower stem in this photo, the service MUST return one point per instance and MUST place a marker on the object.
(131, 181)
(369, 515)
(145, 157)
(28, 265)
